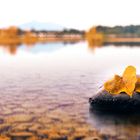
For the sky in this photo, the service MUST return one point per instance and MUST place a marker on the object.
(80, 14)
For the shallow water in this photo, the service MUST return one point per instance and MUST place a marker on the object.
(47, 86)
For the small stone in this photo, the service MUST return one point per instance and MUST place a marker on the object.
(33, 138)
(1, 121)
(34, 127)
(121, 138)
(43, 133)
(57, 137)
(19, 118)
(4, 138)
(64, 132)
(79, 136)
(21, 127)
(20, 135)
(4, 128)
(7, 111)
(92, 138)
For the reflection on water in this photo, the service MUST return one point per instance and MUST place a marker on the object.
(122, 125)
(12, 48)
(45, 89)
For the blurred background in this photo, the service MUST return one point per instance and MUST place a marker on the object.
(54, 56)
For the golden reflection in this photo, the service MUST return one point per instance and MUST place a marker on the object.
(11, 48)
(94, 38)
(12, 37)
(29, 38)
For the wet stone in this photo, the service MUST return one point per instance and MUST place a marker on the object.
(122, 138)
(92, 138)
(4, 138)
(20, 135)
(104, 101)
(43, 134)
(4, 128)
(19, 118)
(21, 127)
(34, 127)
(1, 121)
(64, 132)
(57, 137)
(79, 136)
(7, 111)
(34, 138)
(60, 138)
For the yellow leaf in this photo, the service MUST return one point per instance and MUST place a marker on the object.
(115, 85)
(128, 83)
(129, 79)
(137, 88)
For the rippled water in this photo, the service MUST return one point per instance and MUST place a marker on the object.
(48, 85)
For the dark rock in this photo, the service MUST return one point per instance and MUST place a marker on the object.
(1, 121)
(60, 138)
(20, 135)
(104, 101)
(78, 138)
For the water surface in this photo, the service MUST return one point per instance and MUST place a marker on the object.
(48, 85)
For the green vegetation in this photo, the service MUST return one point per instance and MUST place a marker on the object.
(120, 30)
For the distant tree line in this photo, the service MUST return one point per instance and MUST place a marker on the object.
(64, 31)
(130, 29)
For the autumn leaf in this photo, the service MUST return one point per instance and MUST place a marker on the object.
(115, 85)
(137, 88)
(127, 83)
(130, 79)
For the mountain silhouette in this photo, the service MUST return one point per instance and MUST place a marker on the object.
(41, 26)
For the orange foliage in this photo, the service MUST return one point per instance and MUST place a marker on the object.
(29, 38)
(10, 39)
(94, 38)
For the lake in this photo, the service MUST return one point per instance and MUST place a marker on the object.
(44, 90)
